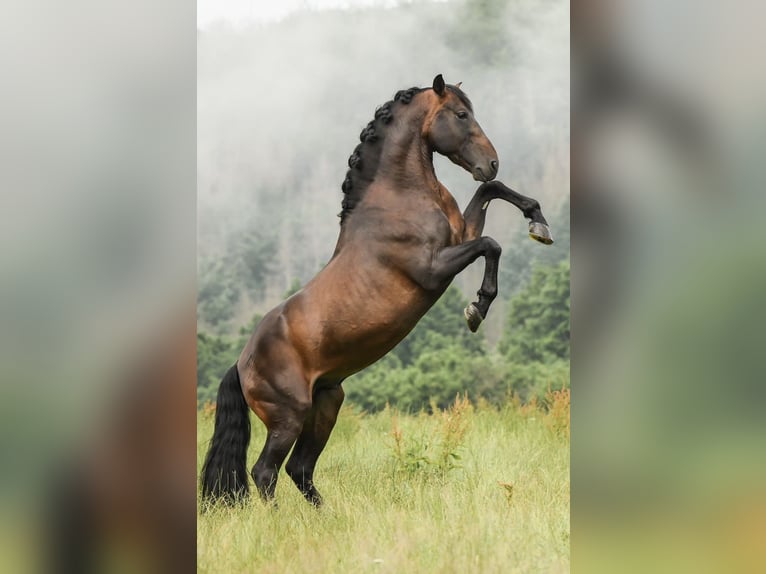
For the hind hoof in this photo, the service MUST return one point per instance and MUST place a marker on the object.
(540, 232)
(473, 317)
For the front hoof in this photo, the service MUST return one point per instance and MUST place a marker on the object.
(540, 232)
(473, 317)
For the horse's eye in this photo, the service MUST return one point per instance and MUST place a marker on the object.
(462, 115)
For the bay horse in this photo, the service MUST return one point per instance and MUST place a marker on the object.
(402, 241)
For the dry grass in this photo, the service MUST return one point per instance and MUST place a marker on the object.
(557, 416)
(470, 489)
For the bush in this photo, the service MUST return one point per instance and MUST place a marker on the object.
(535, 379)
(434, 453)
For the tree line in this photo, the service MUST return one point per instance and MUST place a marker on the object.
(441, 358)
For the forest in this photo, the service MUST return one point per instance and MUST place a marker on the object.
(280, 106)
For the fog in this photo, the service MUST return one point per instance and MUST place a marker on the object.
(281, 105)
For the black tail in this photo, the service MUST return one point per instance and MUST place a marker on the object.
(223, 475)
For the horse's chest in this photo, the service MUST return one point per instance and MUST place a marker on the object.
(449, 213)
(457, 227)
(452, 225)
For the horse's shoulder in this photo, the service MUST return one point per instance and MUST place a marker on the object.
(452, 213)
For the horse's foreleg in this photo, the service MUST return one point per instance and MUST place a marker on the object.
(312, 440)
(450, 261)
(477, 311)
(476, 212)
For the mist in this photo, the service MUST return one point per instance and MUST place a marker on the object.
(281, 105)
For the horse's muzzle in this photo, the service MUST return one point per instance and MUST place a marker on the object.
(486, 172)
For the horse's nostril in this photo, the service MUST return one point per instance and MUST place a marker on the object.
(493, 163)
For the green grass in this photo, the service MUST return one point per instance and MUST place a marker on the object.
(409, 493)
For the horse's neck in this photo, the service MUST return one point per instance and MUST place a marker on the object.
(405, 172)
(406, 161)
(407, 169)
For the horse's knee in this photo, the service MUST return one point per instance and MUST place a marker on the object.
(489, 189)
(492, 248)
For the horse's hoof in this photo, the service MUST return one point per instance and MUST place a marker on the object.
(540, 232)
(473, 317)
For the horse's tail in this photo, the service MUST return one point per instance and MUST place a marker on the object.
(224, 476)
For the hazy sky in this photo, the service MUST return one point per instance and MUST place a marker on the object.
(239, 12)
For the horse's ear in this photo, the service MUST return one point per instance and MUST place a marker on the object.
(439, 86)
(458, 84)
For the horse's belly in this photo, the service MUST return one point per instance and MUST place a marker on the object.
(346, 334)
(372, 332)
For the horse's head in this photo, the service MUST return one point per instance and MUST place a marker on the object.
(451, 130)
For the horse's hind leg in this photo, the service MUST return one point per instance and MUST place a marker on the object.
(312, 440)
(284, 415)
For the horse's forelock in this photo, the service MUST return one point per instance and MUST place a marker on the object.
(461, 96)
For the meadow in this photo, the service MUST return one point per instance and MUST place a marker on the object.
(474, 488)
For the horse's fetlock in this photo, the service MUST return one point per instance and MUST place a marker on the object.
(532, 209)
(487, 294)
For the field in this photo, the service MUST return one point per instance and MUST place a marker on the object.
(472, 489)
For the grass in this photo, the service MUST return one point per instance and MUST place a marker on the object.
(471, 489)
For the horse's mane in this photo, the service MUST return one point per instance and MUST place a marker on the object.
(363, 162)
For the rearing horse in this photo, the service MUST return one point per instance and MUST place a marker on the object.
(402, 241)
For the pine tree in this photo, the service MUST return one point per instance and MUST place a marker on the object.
(537, 327)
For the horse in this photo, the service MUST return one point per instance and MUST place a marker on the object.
(402, 241)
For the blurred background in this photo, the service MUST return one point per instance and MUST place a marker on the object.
(97, 298)
(668, 461)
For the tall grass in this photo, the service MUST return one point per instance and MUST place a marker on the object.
(470, 489)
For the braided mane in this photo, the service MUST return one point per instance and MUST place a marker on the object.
(363, 162)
